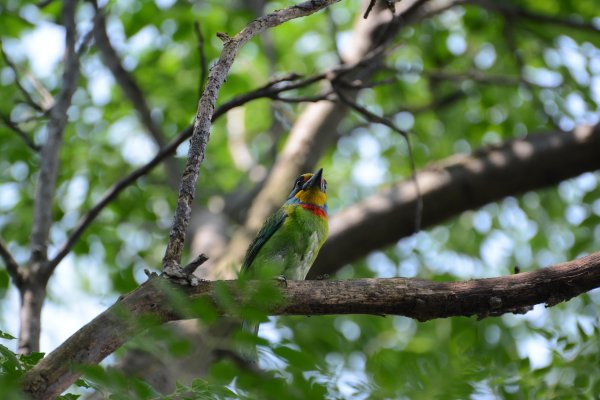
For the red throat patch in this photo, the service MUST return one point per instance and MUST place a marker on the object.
(316, 210)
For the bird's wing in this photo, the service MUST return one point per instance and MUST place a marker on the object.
(268, 229)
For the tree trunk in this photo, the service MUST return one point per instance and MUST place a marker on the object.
(32, 300)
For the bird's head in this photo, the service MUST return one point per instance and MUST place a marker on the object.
(309, 189)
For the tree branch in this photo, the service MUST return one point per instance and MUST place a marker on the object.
(206, 105)
(22, 134)
(454, 185)
(11, 265)
(414, 298)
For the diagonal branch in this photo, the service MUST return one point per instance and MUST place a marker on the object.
(202, 123)
(414, 298)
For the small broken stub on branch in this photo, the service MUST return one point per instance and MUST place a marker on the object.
(185, 275)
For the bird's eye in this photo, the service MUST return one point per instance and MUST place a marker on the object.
(299, 182)
(324, 185)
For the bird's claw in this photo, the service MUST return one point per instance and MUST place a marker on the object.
(282, 279)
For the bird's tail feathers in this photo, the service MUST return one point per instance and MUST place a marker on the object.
(248, 351)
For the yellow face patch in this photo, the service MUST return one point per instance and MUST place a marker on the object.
(312, 196)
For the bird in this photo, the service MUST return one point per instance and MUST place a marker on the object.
(289, 241)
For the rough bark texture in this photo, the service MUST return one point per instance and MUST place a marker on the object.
(415, 298)
(461, 183)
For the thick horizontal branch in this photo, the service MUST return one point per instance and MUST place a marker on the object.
(455, 185)
(414, 298)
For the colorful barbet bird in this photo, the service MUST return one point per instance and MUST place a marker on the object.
(288, 243)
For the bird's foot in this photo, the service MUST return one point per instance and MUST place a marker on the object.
(282, 279)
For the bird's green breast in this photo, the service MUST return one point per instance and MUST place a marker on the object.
(293, 247)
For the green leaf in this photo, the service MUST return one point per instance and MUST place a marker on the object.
(5, 335)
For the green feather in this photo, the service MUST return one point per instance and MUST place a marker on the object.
(271, 225)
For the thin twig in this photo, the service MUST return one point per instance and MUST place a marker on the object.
(20, 132)
(202, 55)
(28, 99)
(384, 121)
(202, 123)
(193, 266)
(11, 265)
(369, 8)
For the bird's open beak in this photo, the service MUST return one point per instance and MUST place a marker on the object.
(314, 181)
